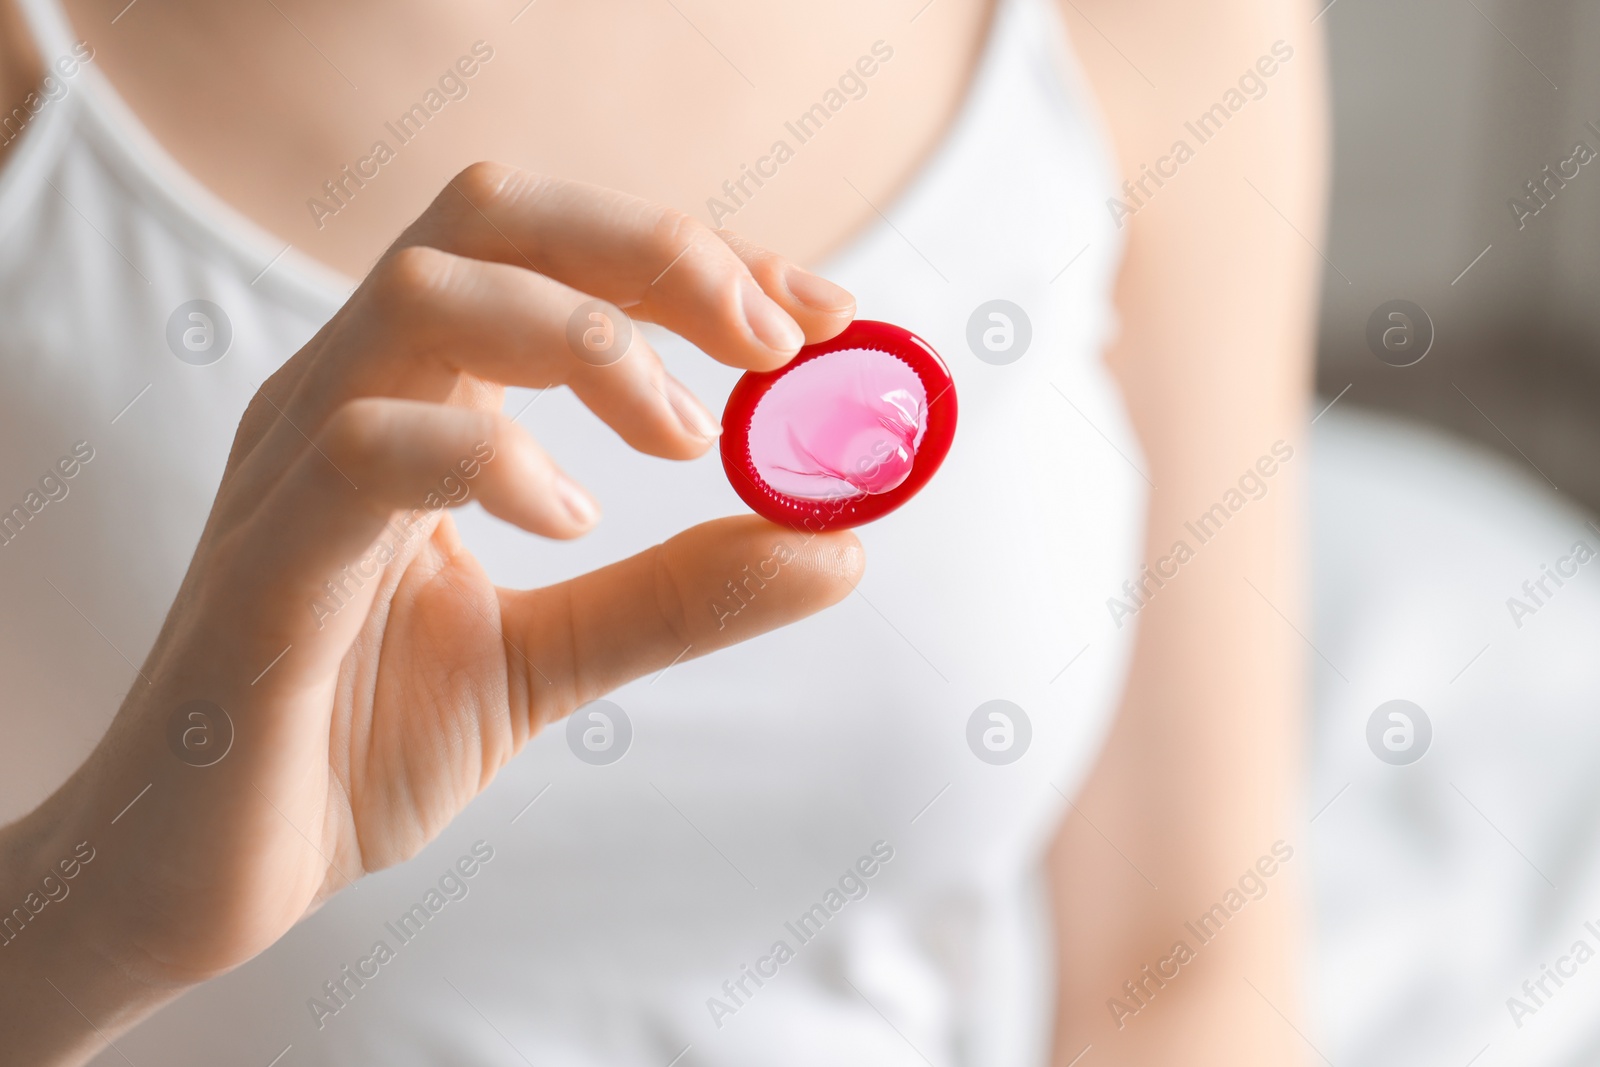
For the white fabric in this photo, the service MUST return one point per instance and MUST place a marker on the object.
(1443, 885)
(617, 904)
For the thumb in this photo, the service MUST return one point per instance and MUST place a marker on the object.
(709, 587)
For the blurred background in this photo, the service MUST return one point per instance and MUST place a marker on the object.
(1445, 886)
(1444, 110)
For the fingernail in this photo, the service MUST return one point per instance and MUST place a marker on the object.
(770, 323)
(817, 292)
(579, 504)
(693, 414)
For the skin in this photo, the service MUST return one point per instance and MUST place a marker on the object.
(1201, 773)
(227, 89)
(1199, 776)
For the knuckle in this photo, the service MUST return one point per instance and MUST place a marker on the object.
(484, 182)
(355, 432)
(414, 274)
(766, 267)
(673, 232)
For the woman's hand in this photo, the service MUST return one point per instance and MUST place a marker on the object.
(374, 678)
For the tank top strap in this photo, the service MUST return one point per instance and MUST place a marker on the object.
(51, 30)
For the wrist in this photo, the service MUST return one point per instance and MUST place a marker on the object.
(64, 990)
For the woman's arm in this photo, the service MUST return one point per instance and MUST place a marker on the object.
(20, 74)
(338, 677)
(1199, 778)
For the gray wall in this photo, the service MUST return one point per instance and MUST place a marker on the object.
(1438, 121)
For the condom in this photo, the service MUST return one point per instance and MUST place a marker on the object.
(842, 434)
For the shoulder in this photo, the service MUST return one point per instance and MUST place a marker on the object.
(1217, 113)
(1154, 61)
(21, 75)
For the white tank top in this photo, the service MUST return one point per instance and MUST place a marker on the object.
(627, 905)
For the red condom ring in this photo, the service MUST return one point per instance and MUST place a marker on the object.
(842, 434)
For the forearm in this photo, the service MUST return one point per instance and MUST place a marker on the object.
(1199, 779)
(60, 996)
(1191, 808)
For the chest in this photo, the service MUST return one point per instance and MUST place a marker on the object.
(684, 104)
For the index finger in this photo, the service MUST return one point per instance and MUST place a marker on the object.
(656, 263)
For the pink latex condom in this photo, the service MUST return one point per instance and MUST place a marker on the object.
(844, 433)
